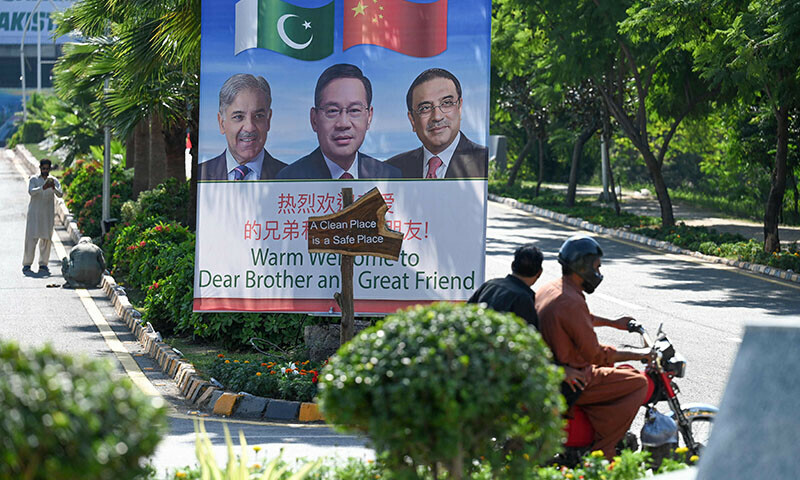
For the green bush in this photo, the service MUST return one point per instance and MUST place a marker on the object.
(31, 131)
(168, 202)
(434, 385)
(83, 184)
(68, 418)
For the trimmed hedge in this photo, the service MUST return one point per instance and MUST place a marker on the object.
(65, 418)
(436, 385)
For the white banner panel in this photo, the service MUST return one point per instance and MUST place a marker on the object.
(253, 253)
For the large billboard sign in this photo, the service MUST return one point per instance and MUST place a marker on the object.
(300, 99)
(16, 14)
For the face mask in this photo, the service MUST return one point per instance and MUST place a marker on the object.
(591, 277)
(591, 283)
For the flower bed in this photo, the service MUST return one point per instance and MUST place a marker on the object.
(286, 381)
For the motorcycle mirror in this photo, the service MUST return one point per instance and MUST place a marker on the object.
(660, 331)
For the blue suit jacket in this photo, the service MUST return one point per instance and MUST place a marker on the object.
(217, 168)
(313, 166)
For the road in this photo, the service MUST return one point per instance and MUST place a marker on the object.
(702, 306)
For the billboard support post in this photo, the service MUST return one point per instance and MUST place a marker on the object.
(345, 299)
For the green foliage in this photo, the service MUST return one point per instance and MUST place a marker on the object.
(149, 256)
(234, 330)
(711, 242)
(169, 300)
(67, 418)
(83, 184)
(168, 201)
(434, 385)
(239, 467)
(31, 131)
(156, 260)
(289, 380)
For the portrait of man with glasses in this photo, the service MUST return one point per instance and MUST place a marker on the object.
(434, 104)
(244, 118)
(341, 116)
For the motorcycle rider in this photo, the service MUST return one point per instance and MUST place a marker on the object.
(611, 396)
(514, 294)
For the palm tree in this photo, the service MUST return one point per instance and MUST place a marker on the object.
(149, 50)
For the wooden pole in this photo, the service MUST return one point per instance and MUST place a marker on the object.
(346, 298)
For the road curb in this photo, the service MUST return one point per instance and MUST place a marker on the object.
(636, 238)
(199, 392)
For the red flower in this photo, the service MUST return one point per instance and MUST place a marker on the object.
(158, 228)
(314, 378)
(142, 243)
(153, 286)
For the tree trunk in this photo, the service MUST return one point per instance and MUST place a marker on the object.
(577, 151)
(667, 217)
(130, 150)
(512, 175)
(141, 159)
(606, 143)
(772, 242)
(540, 173)
(158, 153)
(175, 151)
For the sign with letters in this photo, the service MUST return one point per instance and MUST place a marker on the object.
(302, 98)
(358, 229)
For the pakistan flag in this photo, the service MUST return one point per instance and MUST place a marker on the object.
(302, 33)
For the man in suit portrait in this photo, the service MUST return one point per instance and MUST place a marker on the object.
(340, 117)
(434, 109)
(244, 118)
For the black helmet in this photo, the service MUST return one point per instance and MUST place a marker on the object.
(577, 255)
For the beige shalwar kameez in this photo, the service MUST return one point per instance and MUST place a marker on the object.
(41, 217)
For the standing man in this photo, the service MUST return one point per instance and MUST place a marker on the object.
(341, 116)
(244, 118)
(434, 109)
(611, 396)
(41, 216)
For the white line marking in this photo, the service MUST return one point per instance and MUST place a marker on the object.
(627, 305)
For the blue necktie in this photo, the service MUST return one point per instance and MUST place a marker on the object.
(241, 171)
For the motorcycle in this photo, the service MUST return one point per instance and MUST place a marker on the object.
(660, 433)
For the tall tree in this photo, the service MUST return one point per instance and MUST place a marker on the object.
(149, 51)
(651, 68)
(753, 57)
(522, 94)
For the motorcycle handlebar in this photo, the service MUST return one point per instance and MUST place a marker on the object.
(636, 327)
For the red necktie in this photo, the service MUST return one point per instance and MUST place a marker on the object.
(433, 164)
(346, 176)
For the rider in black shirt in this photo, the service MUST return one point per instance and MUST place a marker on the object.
(513, 293)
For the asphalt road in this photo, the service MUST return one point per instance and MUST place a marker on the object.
(702, 306)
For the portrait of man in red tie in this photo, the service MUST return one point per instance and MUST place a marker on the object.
(434, 104)
(340, 117)
(244, 118)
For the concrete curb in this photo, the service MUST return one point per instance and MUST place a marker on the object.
(659, 244)
(200, 393)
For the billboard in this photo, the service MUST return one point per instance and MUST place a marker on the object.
(15, 15)
(391, 94)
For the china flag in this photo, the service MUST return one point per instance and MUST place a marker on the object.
(415, 29)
